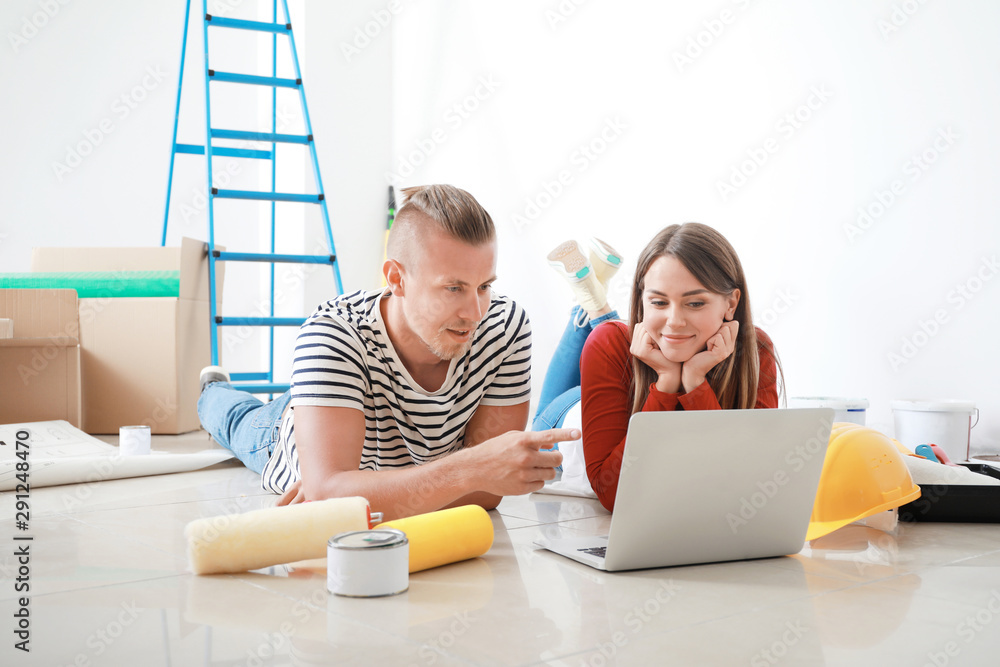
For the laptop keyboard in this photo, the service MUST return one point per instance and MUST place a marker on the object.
(600, 552)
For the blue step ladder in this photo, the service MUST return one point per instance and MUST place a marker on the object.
(256, 382)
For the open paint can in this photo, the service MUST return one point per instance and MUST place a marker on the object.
(851, 410)
(368, 563)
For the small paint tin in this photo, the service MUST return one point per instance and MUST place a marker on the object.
(368, 563)
(134, 440)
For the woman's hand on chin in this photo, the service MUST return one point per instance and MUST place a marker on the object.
(645, 349)
(718, 347)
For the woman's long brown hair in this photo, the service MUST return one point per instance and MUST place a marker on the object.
(712, 260)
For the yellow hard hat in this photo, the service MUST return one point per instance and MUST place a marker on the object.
(863, 474)
(903, 449)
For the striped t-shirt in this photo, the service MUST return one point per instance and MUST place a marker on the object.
(344, 358)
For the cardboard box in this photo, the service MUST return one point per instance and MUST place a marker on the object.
(141, 357)
(40, 367)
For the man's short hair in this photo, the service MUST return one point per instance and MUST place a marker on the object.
(456, 212)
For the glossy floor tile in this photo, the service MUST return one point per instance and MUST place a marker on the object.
(108, 584)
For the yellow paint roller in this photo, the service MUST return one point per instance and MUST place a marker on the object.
(446, 536)
(240, 542)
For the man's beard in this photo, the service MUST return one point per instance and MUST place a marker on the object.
(444, 348)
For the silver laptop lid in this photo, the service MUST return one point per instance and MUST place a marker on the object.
(716, 485)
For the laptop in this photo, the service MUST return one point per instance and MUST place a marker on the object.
(709, 486)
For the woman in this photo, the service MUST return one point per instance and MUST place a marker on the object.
(690, 344)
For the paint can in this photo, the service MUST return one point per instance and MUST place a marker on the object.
(368, 563)
(134, 440)
(852, 410)
(946, 423)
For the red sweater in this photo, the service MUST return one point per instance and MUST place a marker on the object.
(606, 372)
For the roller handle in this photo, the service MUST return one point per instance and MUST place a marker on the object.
(374, 518)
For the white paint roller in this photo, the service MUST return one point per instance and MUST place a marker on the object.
(240, 542)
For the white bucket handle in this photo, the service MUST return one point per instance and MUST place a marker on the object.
(976, 410)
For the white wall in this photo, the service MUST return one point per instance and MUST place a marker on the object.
(532, 89)
(837, 304)
(351, 104)
(63, 88)
(64, 69)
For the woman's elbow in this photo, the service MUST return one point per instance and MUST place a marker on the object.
(605, 485)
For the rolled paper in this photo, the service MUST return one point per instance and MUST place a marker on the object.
(240, 542)
(446, 536)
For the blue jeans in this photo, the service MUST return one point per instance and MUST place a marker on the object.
(561, 388)
(241, 422)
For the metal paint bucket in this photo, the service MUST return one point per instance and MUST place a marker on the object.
(368, 563)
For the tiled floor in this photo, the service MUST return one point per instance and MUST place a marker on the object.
(109, 586)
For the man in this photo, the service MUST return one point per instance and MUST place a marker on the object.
(414, 397)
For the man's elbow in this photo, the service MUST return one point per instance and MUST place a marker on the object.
(490, 502)
(487, 501)
(323, 488)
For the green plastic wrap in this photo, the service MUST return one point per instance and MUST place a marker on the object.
(100, 284)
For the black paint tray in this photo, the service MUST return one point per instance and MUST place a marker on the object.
(955, 502)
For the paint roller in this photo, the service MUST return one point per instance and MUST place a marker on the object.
(236, 543)
(300, 532)
(446, 536)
